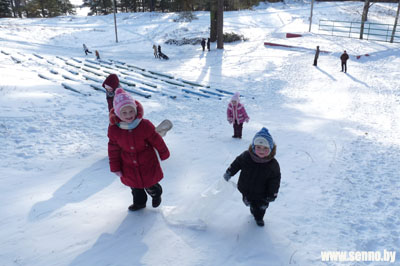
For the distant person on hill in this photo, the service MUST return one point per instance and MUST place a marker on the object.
(316, 56)
(343, 58)
(260, 174)
(134, 150)
(97, 55)
(208, 44)
(236, 115)
(155, 51)
(161, 55)
(86, 50)
(111, 83)
(159, 51)
(203, 44)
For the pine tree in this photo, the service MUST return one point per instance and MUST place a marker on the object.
(5, 8)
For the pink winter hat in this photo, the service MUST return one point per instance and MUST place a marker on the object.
(235, 97)
(122, 99)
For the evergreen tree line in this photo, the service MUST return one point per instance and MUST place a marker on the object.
(52, 8)
(35, 8)
(104, 7)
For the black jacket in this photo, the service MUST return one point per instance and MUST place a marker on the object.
(344, 57)
(256, 180)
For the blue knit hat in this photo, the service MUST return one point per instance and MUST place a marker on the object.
(263, 138)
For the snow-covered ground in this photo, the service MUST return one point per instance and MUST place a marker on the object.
(337, 136)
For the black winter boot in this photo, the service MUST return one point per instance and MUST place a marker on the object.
(155, 192)
(156, 201)
(260, 222)
(136, 207)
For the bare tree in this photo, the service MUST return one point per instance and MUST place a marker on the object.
(395, 23)
(220, 24)
(213, 20)
(364, 17)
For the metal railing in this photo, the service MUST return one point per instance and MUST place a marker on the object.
(372, 31)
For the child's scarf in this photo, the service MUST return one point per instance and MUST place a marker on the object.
(131, 125)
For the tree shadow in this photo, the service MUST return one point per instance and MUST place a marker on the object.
(123, 247)
(80, 187)
(212, 67)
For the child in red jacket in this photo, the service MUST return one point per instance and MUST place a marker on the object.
(111, 83)
(132, 146)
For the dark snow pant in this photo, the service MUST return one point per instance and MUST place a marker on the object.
(237, 130)
(315, 62)
(257, 207)
(344, 67)
(140, 196)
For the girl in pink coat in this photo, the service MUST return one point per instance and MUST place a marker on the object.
(236, 114)
(132, 146)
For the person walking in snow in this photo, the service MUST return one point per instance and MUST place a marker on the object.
(161, 55)
(132, 150)
(97, 55)
(155, 51)
(260, 175)
(111, 83)
(316, 56)
(343, 58)
(208, 44)
(159, 51)
(203, 44)
(86, 50)
(236, 115)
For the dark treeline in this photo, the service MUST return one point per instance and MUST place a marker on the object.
(35, 8)
(103, 7)
(53, 8)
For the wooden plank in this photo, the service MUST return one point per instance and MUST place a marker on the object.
(38, 56)
(137, 92)
(43, 76)
(92, 78)
(196, 93)
(69, 87)
(76, 60)
(161, 74)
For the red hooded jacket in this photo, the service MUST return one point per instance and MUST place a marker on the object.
(133, 151)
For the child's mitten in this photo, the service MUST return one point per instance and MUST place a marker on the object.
(227, 175)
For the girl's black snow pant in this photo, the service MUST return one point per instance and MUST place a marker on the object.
(237, 130)
(140, 196)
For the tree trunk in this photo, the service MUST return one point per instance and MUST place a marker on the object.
(13, 9)
(220, 25)
(151, 5)
(42, 8)
(311, 14)
(395, 23)
(364, 18)
(213, 21)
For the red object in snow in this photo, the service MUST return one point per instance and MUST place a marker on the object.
(293, 35)
(359, 56)
(276, 44)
